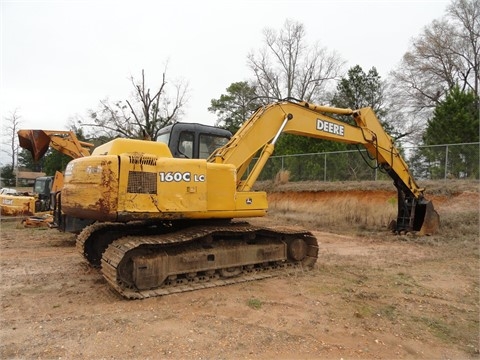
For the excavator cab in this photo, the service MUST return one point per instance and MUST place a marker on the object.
(193, 141)
(43, 189)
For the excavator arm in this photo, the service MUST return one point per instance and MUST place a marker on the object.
(261, 131)
(66, 142)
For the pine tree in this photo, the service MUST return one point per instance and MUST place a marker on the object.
(455, 121)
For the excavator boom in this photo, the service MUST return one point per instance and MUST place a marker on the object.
(261, 131)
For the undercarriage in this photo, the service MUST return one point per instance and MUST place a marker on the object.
(144, 260)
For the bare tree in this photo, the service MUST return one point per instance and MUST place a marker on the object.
(408, 124)
(465, 15)
(445, 54)
(10, 128)
(144, 115)
(287, 67)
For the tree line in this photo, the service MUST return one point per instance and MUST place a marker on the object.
(430, 98)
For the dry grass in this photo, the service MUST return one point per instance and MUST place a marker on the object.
(340, 211)
(282, 177)
(432, 187)
(356, 207)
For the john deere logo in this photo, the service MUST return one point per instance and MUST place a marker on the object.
(331, 128)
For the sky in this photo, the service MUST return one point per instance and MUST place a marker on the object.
(60, 58)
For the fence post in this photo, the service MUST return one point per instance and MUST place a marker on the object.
(325, 167)
(446, 162)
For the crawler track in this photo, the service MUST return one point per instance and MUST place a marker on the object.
(95, 238)
(142, 266)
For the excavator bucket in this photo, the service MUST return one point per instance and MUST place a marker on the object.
(35, 141)
(414, 214)
(426, 218)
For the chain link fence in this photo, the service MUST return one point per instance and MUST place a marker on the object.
(459, 161)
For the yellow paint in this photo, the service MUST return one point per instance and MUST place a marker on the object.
(13, 205)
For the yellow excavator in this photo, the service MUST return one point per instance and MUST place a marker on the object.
(45, 187)
(161, 224)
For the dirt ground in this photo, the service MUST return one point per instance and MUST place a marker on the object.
(372, 295)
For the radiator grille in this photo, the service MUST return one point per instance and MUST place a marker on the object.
(140, 182)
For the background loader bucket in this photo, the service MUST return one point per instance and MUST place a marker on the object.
(35, 141)
(427, 220)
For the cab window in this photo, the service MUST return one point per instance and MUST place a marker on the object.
(185, 144)
(209, 143)
(164, 138)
